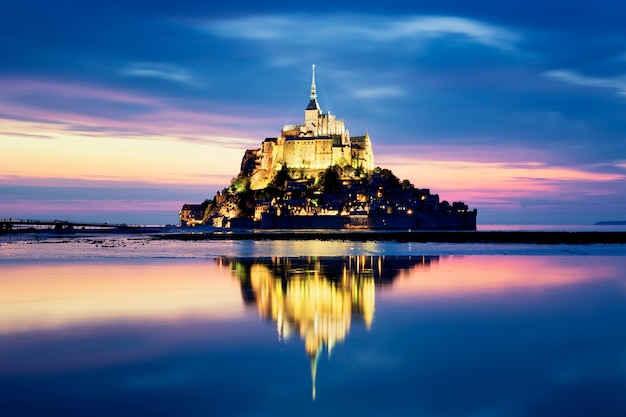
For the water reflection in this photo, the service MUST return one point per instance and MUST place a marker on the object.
(318, 297)
(501, 335)
(56, 295)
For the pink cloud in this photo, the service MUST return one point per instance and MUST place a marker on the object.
(72, 206)
(160, 120)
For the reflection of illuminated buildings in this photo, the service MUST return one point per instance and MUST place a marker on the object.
(317, 297)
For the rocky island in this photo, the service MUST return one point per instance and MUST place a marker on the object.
(315, 175)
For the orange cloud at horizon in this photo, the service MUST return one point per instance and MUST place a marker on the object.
(99, 133)
(495, 181)
(48, 151)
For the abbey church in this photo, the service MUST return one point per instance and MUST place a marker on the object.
(320, 142)
(287, 184)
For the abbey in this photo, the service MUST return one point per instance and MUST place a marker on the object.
(320, 142)
(316, 176)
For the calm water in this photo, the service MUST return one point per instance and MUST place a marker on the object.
(554, 227)
(123, 327)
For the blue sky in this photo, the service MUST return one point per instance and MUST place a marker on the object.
(517, 109)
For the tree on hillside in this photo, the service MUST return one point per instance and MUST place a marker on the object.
(246, 203)
(207, 206)
(280, 179)
(392, 182)
(329, 181)
(240, 185)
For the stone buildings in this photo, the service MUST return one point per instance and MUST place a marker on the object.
(287, 184)
(321, 141)
(191, 214)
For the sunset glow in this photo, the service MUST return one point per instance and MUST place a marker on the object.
(49, 151)
(472, 105)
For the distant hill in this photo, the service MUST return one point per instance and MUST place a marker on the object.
(611, 223)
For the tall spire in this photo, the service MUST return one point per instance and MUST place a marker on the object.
(313, 104)
(313, 89)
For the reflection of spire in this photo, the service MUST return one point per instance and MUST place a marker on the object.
(314, 360)
(367, 294)
(312, 303)
(317, 298)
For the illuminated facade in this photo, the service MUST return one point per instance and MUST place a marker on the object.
(320, 142)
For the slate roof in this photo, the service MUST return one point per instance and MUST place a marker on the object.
(313, 105)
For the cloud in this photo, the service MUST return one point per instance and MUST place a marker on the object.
(336, 29)
(378, 92)
(58, 109)
(469, 78)
(162, 71)
(474, 30)
(24, 135)
(112, 200)
(507, 183)
(19, 87)
(491, 173)
(570, 77)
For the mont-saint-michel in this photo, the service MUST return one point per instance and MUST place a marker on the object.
(316, 175)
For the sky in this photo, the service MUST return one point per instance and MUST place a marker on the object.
(123, 111)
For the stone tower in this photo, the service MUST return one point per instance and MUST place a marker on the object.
(320, 142)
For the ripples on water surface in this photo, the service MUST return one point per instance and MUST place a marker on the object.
(128, 327)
